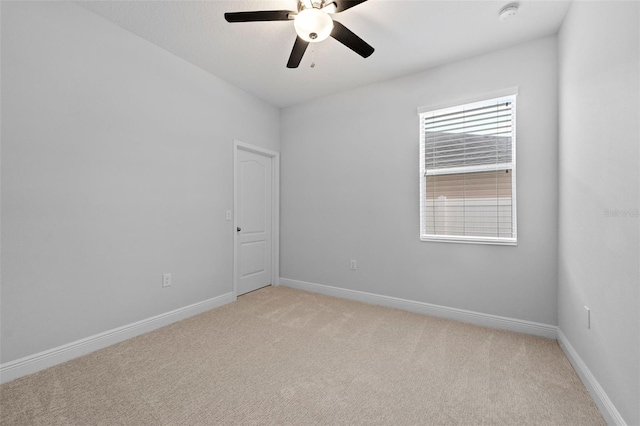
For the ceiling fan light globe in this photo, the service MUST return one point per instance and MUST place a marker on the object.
(313, 25)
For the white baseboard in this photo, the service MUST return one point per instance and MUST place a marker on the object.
(608, 410)
(45, 359)
(478, 318)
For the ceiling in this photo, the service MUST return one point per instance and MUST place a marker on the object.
(408, 35)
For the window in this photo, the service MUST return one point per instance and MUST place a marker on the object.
(468, 172)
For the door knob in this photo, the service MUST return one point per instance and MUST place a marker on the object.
(238, 229)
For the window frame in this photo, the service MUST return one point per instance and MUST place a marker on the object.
(422, 112)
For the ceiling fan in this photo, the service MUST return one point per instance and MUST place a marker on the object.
(313, 23)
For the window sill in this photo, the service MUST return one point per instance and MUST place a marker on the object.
(470, 240)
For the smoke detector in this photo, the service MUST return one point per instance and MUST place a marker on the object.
(508, 11)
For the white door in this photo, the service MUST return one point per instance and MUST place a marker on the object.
(254, 220)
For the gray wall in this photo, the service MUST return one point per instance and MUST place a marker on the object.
(116, 167)
(350, 190)
(599, 158)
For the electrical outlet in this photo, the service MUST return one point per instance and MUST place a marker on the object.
(166, 280)
(354, 265)
(588, 317)
(228, 215)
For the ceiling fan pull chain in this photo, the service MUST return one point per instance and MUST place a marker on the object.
(313, 57)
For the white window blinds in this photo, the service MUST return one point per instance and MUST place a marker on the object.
(468, 172)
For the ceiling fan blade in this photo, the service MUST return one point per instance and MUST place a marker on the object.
(261, 15)
(352, 41)
(342, 5)
(299, 47)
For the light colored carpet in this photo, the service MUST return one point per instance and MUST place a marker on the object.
(288, 357)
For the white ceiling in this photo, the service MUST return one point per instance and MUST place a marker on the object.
(408, 35)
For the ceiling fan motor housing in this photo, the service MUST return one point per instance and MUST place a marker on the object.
(315, 4)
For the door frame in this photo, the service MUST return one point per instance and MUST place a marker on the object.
(275, 210)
